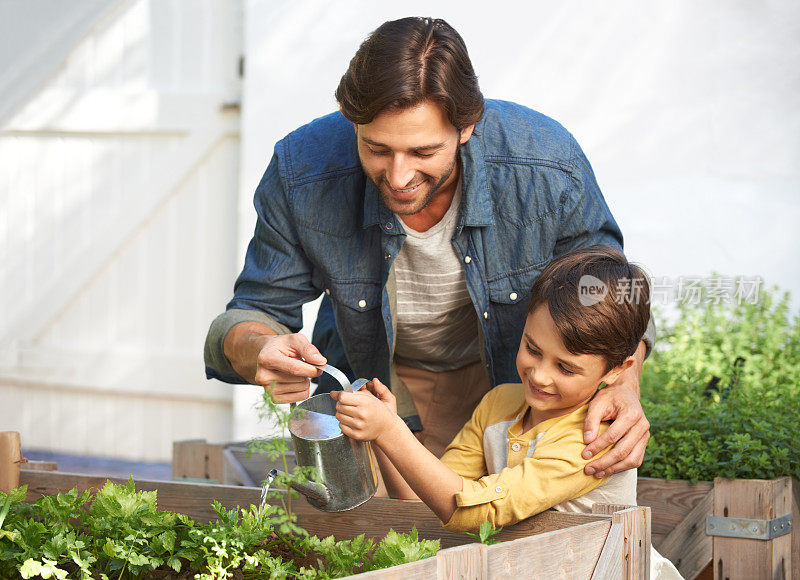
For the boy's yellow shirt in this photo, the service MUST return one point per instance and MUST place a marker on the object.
(509, 475)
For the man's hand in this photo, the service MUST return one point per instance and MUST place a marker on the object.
(368, 414)
(630, 430)
(283, 363)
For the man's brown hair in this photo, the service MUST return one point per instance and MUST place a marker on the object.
(600, 302)
(405, 62)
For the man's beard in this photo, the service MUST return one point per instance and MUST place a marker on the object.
(389, 201)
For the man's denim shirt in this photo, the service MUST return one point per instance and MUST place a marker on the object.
(529, 194)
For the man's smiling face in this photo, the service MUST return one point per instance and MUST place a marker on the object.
(411, 155)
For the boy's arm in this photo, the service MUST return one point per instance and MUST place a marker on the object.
(433, 481)
(396, 486)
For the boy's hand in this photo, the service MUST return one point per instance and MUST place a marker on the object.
(368, 413)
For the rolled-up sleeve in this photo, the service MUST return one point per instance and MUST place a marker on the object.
(553, 475)
(217, 364)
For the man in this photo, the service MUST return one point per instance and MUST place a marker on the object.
(424, 213)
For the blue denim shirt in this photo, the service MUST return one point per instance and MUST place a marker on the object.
(529, 194)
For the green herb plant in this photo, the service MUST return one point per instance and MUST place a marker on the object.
(722, 389)
(485, 534)
(118, 533)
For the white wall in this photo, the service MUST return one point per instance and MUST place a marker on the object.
(688, 110)
(118, 185)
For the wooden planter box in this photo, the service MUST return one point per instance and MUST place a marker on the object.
(611, 544)
(679, 512)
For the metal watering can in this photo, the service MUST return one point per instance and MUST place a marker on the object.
(346, 467)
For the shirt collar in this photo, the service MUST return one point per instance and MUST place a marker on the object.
(375, 212)
(477, 202)
(515, 430)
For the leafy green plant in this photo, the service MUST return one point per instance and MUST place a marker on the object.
(397, 549)
(118, 533)
(722, 390)
(485, 534)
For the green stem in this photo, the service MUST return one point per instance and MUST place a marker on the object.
(287, 500)
(4, 513)
(288, 545)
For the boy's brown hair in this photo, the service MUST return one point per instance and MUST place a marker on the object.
(600, 302)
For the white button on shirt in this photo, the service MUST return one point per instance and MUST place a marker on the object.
(467, 259)
(499, 488)
(362, 303)
(513, 296)
(516, 446)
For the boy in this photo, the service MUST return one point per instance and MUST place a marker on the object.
(520, 453)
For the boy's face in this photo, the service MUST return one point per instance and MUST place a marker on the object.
(556, 381)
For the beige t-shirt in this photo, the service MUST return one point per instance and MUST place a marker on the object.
(437, 327)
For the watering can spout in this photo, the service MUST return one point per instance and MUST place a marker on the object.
(313, 491)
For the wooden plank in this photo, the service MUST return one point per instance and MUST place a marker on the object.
(10, 458)
(197, 459)
(227, 463)
(419, 570)
(258, 465)
(188, 459)
(215, 462)
(795, 529)
(610, 508)
(234, 472)
(375, 518)
(669, 501)
(688, 546)
(610, 565)
(757, 499)
(39, 465)
(566, 553)
(707, 574)
(636, 529)
(468, 562)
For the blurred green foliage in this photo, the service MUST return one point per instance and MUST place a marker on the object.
(722, 389)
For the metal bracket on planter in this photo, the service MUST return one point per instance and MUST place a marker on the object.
(747, 528)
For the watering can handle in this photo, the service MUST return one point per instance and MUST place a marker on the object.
(338, 375)
(341, 378)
